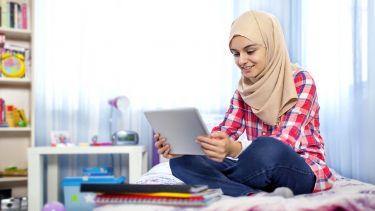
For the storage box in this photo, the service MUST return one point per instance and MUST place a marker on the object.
(75, 200)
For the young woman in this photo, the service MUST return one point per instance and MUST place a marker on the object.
(276, 105)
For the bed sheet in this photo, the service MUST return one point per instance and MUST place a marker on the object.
(347, 194)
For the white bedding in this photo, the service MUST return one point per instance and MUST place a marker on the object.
(347, 194)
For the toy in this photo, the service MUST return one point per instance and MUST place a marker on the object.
(54, 206)
(13, 65)
(61, 139)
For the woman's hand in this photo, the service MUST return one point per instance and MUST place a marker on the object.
(218, 146)
(163, 147)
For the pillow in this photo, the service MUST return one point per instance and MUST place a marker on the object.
(159, 174)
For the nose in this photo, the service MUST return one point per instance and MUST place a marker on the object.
(242, 59)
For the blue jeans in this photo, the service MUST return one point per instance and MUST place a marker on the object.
(265, 165)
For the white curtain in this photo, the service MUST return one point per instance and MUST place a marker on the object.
(160, 54)
(339, 39)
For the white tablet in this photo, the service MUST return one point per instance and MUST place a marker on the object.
(181, 128)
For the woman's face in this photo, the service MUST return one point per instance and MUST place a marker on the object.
(249, 56)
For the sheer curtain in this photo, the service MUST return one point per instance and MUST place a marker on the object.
(160, 54)
(338, 44)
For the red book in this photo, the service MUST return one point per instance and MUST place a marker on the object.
(2, 111)
(24, 15)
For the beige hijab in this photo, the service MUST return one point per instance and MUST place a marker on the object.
(271, 93)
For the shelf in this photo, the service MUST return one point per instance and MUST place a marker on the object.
(12, 179)
(87, 150)
(19, 34)
(15, 81)
(15, 129)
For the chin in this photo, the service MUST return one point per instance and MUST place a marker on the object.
(249, 76)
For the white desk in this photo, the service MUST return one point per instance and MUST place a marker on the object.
(137, 166)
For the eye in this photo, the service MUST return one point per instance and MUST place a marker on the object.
(235, 53)
(249, 52)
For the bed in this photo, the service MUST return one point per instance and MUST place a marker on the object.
(347, 194)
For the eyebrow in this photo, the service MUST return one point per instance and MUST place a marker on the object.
(246, 47)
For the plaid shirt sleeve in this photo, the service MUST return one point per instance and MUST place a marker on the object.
(233, 123)
(299, 128)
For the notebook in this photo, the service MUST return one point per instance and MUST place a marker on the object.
(199, 199)
(142, 188)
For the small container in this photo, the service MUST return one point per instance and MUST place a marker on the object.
(75, 200)
(98, 171)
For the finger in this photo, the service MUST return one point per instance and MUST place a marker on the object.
(203, 138)
(159, 143)
(210, 147)
(210, 153)
(162, 149)
(207, 140)
(166, 152)
(214, 155)
(156, 136)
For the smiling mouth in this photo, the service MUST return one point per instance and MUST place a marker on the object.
(248, 68)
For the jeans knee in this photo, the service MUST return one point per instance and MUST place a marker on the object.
(270, 150)
(186, 162)
(179, 161)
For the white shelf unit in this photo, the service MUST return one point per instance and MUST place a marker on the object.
(137, 166)
(15, 81)
(12, 179)
(14, 142)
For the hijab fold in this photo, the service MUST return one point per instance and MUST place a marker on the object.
(271, 93)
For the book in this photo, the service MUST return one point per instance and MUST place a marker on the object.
(206, 194)
(142, 188)
(199, 199)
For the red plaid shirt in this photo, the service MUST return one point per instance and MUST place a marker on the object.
(298, 127)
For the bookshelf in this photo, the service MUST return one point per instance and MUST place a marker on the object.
(15, 141)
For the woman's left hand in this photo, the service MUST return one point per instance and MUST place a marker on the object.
(218, 146)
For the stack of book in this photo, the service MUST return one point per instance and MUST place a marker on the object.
(176, 195)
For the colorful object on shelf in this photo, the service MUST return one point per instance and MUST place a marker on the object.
(13, 171)
(101, 144)
(61, 139)
(54, 206)
(23, 119)
(13, 65)
(9, 116)
(97, 171)
(21, 124)
(2, 113)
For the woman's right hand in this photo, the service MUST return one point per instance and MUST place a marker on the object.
(163, 147)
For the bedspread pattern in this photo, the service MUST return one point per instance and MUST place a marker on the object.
(347, 194)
